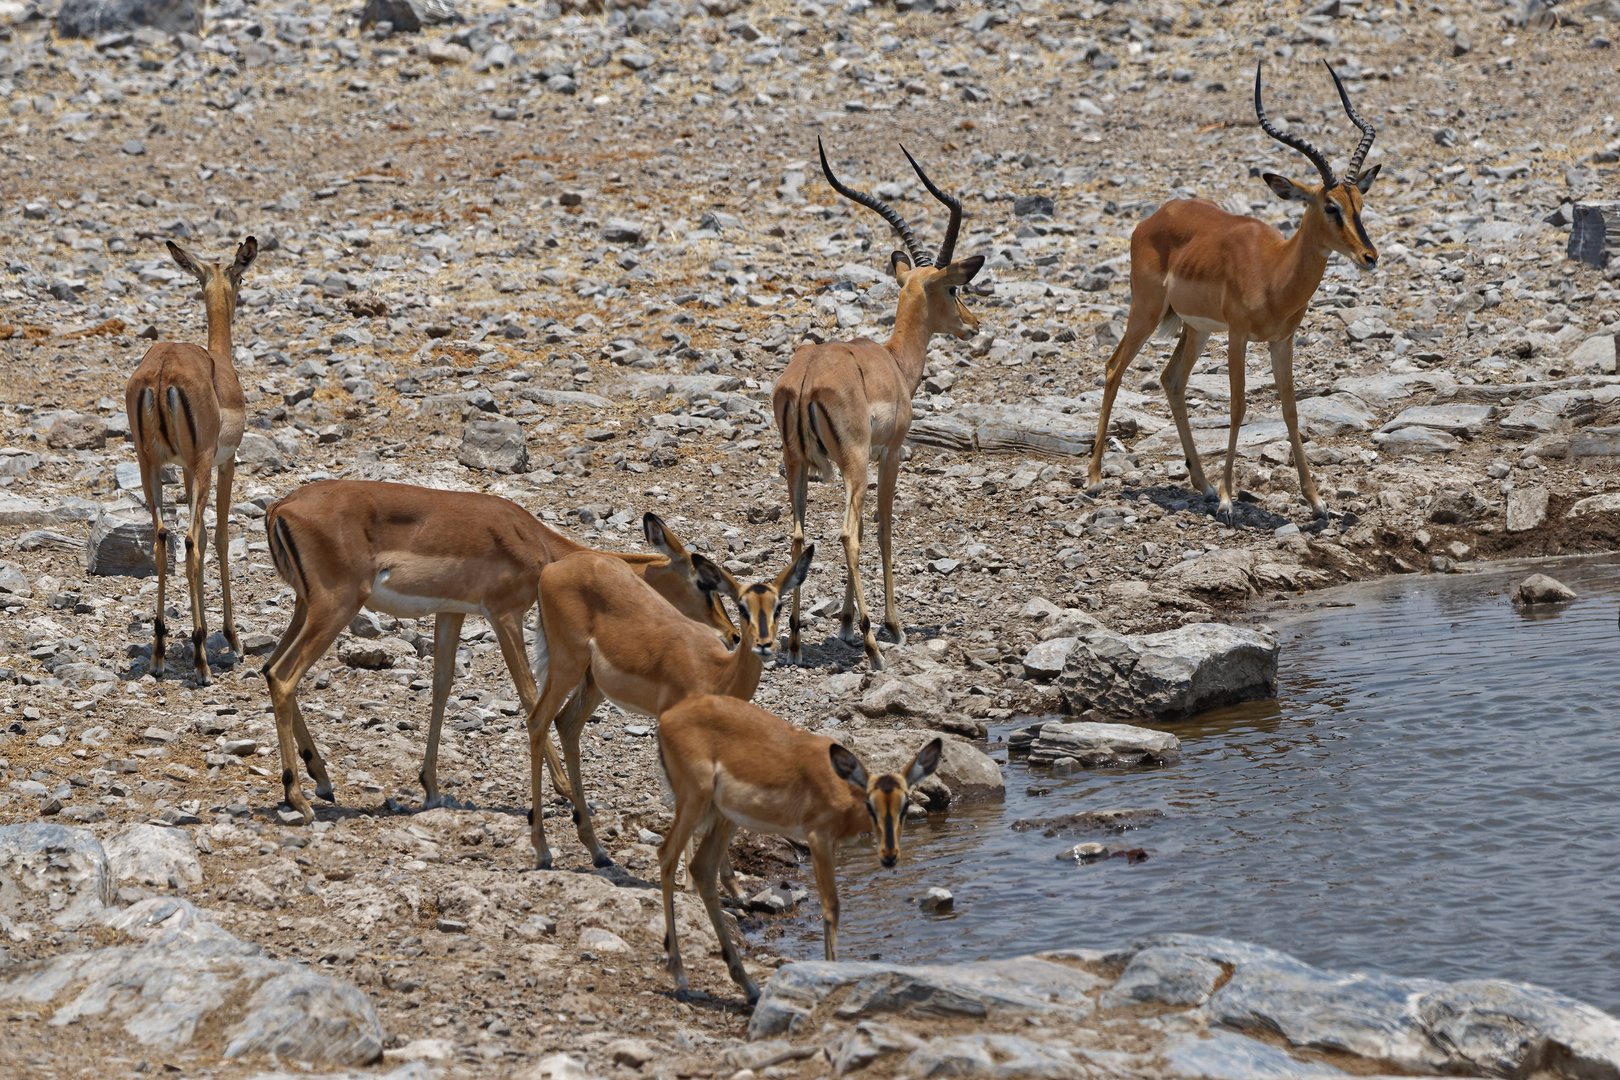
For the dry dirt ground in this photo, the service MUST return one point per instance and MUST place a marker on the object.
(625, 207)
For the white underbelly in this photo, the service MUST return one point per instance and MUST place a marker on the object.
(409, 606)
(793, 832)
(1204, 326)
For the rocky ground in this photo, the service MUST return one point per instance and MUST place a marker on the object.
(561, 256)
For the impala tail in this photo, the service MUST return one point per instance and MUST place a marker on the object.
(284, 549)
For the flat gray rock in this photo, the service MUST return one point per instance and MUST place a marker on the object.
(53, 873)
(1102, 744)
(1384, 391)
(92, 18)
(16, 510)
(1163, 976)
(494, 446)
(1046, 660)
(1467, 420)
(1416, 440)
(1526, 509)
(1172, 674)
(560, 399)
(1336, 415)
(1596, 504)
(1595, 355)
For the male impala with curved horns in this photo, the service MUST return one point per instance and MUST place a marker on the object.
(412, 552)
(186, 408)
(1199, 267)
(841, 403)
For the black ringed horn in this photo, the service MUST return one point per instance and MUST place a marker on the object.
(947, 247)
(1368, 132)
(1322, 166)
(871, 202)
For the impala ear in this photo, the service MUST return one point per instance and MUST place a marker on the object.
(962, 271)
(1284, 188)
(923, 765)
(246, 252)
(847, 765)
(899, 266)
(1365, 180)
(713, 578)
(794, 576)
(183, 259)
(662, 540)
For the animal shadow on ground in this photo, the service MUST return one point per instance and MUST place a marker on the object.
(1245, 515)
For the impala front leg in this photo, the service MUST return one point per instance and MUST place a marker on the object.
(1282, 369)
(1138, 328)
(821, 860)
(446, 639)
(1236, 349)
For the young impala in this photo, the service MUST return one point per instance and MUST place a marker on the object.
(605, 634)
(1195, 266)
(842, 403)
(730, 764)
(409, 551)
(186, 408)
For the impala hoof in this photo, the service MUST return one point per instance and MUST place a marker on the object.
(602, 860)
(847, 634)
(1320, 507)
(329, 795)
(543, 862)
(896, 632)
(876, 660)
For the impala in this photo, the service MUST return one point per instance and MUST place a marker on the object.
(842, 403)
(1199, 268)
(186, 408)
(605, 634)
(410, 552)
(733, 764)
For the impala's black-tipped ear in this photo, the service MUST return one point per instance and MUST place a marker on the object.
(794, 575)
(659, 536)
(713, 577)
(847, 765)
(183, 259)
(899, 265)
(923, 765)
(1284, 188)
(246, 252)
(1365, 180)
(961, 272)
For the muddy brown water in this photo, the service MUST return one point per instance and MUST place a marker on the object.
(1435, 792)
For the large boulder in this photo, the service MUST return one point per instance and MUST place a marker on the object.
(76, 431)
(121, 544)
(494, 446)
(1030, 1017)
(93, 18)
(155, 855)
(1092, 744)
(53, 873)
(408, 16)
(191, 984)
(1170, 675)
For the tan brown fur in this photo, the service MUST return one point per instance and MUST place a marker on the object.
(1196, 264)
(608, 635)
(840, 404)
(347, 544)
(186, 408)
(731, 764)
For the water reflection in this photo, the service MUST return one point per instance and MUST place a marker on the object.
(1433, 792)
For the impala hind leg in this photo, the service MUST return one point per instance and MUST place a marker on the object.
(197, 476)
(1236, 350)
(509, 632)
(888, 478)
(1175, 389)
(570, 722)
(854, 592)
(798, 492)
(152, 485)
(705, 868)
(446, 638)
(222, 542)
(1144, 319)
(1282, 369)
(309, 634)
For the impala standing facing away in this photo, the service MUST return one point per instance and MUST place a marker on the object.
(1199, 267)
(730, 764)
(841, 403)
(608, 635)
(411, 552)
(186, 408)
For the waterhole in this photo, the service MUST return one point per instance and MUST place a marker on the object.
(1435, 792)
